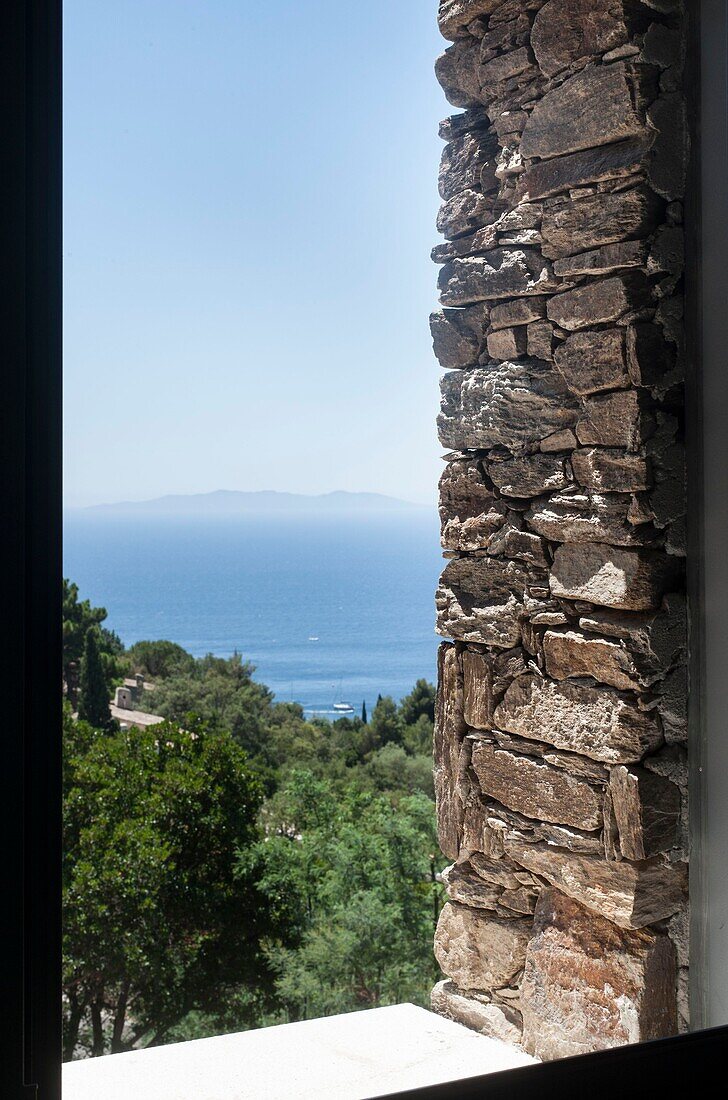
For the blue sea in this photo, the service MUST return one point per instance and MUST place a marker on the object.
(328, 609)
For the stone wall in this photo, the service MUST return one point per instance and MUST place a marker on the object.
(560, 755)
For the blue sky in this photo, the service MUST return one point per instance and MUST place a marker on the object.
(250, 196)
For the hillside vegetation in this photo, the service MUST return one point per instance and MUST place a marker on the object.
(237, 865)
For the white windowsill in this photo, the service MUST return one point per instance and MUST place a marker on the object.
(351, 1057)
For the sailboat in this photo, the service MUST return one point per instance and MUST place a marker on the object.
(343, 708)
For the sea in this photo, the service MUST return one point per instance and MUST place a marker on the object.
(328, 609)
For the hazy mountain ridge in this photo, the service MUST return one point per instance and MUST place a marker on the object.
(230, 502)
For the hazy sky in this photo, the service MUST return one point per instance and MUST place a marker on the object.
(250, 196)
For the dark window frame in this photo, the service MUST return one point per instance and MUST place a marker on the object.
(30, 806)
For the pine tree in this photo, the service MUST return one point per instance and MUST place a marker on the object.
(364, 712)
(93, 695)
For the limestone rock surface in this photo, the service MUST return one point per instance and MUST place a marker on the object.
(629, 580)
(630, 895)
(477, 950)
(593, 361)
(594, 107)
(566, 30)
(500, 273)
(536, 789)
(507, 404)
(571, 655)
(470, 514)
(447, 750)
(594, 721)
(587, 517)
(494, 1020)
(481, 600)
(589, 986)
(611, 470)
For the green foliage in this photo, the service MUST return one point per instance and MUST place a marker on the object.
(386, 724)
(240, 864)
(78, 618)
(354, 879)
(418, 704)
(93, 694)
(158, 660)
(222, 692)
(157, 924)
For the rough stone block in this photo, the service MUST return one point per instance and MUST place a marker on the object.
(576, 225)
(593, 361)
(462, 162)
(507, 343)
(615, 420)
(564, 440)
(629, 580)
(470, 514)
(479, 951)
(630, 895)
(603, 260)
(466, 888)
(565, 31)
(512, 542)
(504, 67)
(589, 986)
(458, 72)
(611, 470)
(510, 405)
(536, 789)
(596, 303)
(494, 1020)
(457, 335)
(550, 177)
(520, 311)
(481, 600)
(540, 340)
(463, 213)
(597, 722)
(448, 743)
(464, 122)
(594, 107)
(571, 655)
(587, 517)
(454, 15)
(479, 700)
(655, 641)
(502, 273)
(646, 811)
(504, 36)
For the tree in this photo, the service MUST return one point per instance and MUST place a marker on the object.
(419, 702)
(93, 695)
(220, 690)
(78, 617)
(159, 919)
(356, 875)
(158, 659)
(386, 724)
(364, 713)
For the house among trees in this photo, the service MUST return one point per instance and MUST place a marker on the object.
(127, 698)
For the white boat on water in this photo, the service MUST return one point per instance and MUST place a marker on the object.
(343, 708)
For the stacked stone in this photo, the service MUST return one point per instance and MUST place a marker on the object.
(560, 754)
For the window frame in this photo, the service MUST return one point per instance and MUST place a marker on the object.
(30, 809)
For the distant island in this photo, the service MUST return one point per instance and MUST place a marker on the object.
(229, 502)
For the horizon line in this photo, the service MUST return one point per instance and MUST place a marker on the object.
(196, 496)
